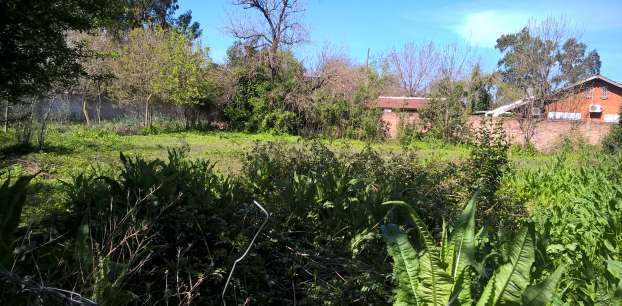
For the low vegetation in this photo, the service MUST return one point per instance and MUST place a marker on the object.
(169, 229)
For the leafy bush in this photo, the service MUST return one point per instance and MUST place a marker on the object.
(450, 274)
(138, 241)
(12, 198)
(612, 143)
(407, 132)
(488, 163)
(577, 211)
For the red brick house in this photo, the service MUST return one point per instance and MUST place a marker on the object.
(595, 99)
(587, 108)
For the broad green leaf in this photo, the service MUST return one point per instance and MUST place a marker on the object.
(542, 293)
(488, 296)
(511, 279)
(435, 283)
(421, 227)
(463, 238)
(405, 265)
(615, 268)
(461, 291)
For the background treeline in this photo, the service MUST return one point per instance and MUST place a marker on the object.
(144, 61)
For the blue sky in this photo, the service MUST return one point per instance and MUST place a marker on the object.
(352, 26)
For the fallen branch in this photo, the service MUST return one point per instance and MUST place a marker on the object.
(224, 290)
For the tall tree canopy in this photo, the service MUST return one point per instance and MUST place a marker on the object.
(537, 61)
(574, 64)
(33, 48)
(537, 58)
(160, 13)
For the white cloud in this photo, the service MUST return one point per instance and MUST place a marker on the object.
(482, 29)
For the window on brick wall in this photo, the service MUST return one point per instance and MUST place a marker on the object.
(603, 93)
(588, 92)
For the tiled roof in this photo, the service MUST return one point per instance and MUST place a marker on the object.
(400, 102)
(595, 77)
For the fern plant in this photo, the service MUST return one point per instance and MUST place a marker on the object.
(444, 274)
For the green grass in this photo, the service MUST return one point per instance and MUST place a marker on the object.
(73, 149)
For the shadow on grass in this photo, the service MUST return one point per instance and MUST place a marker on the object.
(18, 150)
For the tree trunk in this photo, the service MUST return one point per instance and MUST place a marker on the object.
(99, 109)
(6, 115)
(44, 118)
(147, 110)
(272, 54)
(85, 111)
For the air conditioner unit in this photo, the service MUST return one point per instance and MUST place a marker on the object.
(596, 108)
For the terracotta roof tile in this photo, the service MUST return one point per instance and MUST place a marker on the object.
(400, 102)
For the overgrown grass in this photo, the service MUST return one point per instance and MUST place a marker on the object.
(73, 149)
(324, 198)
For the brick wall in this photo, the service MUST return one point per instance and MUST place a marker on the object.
(392, 120)
(549, 134)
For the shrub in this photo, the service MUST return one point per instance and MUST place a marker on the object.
(484, 171)
(576, 209)
(612, 143)
(451, 273)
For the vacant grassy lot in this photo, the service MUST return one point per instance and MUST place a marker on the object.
(73, 149)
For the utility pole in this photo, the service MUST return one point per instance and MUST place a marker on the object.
(367, 67)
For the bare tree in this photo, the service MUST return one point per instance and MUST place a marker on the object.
(337, 75)
(414, 66)
(277, 26)
(446, 110)
(453, 63)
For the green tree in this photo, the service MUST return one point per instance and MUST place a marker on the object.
(137, 68)
(445, 113)
(140, 13)
(183, 77)
(259, 102)
(574, 64)
(478, 90)
(35, 54)
(158, 64)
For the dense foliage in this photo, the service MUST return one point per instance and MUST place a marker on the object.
(577, 211)
(464, 271)
(35, 54)
(170, 230)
